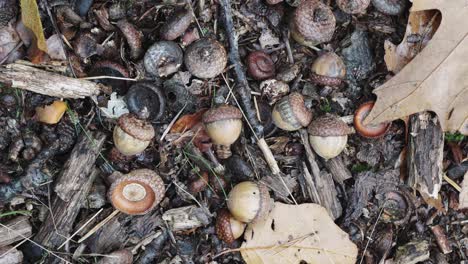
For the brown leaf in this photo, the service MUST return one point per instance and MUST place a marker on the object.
(419, 31)
(32, 20)
(295, 233)
(435, 80)
(187, 121)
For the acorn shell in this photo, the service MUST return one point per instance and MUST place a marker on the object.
(163, 58)
(176, 25)
(290, 112)
(205, 58)
(353, 6)
(149, 180)
(146, 99)
(328, 126)
(369, 131)
(249, 202)
(313, 23)
(260, 66)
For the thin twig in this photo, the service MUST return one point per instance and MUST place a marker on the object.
(99, 225)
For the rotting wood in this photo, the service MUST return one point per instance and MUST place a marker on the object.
(48, 83)
(80, 172)
(338, 169)
(425, 154)
(22, 227)
(319, 184)
(186, 218)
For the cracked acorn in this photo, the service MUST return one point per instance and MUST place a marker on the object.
(132, 135)
(249, 202)
(290, 112)
(137, 192)
(328, 136)
(223, 124)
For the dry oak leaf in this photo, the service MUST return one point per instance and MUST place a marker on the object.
(436, 79)
(295, 233)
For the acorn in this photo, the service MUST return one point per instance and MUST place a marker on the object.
(328, 69)
(146, 100)
(228, 228)
(163, 58)
(133, 36)
(223, 124)
(51, 114)
(290, 113)
(313, 23)
(353, 6)
(390, 7)
(137, 192)
(249, 202)
(328, 136)
(205, 58)
(132, 135)
(368, 131)
(260, 66)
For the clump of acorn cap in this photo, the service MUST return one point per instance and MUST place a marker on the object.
(328, 135)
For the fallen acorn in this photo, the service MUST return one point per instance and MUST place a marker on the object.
(132, 135)
(249, 201)
(290, 112)
(368, 131)
(205, 58)
(227, 227)
(328, 136)
(328, 69)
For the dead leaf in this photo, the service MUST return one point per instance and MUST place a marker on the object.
(32, 20)
(463, 198)
(187, 121)
(435, 80)
(419, 31)
(295, 233)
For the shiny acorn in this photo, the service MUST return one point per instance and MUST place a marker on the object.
(249, 202)
(290, 112)
(223, 124)
(368, 131)
(132, 135)
(328, 136)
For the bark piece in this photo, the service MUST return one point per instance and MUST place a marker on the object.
(186, 218)
(412, 253)
(47, 83)
(338, 169)
(441, 239)
(22, 229)
(10, 255)
(79, 170)
(425, 154)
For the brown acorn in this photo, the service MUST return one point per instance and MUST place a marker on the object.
(290, 112)
(260, 65)
(313, 23)
(228, 228)
(163, 58)
(328, 69)
(132, 135)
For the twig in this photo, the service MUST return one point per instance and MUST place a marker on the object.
(99, 225)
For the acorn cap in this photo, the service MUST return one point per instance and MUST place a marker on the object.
(137, 192)
(205, 58)
(135, 127)
(328, 126)
(223, 112)
(369, 131)
(303, 115)
(314, 21)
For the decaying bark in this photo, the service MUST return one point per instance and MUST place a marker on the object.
(73, 184)
(319, 185)
(425, 154)
(10, 255)
(22, 229)
(47, 83)
(338, 169)
(186, 218)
